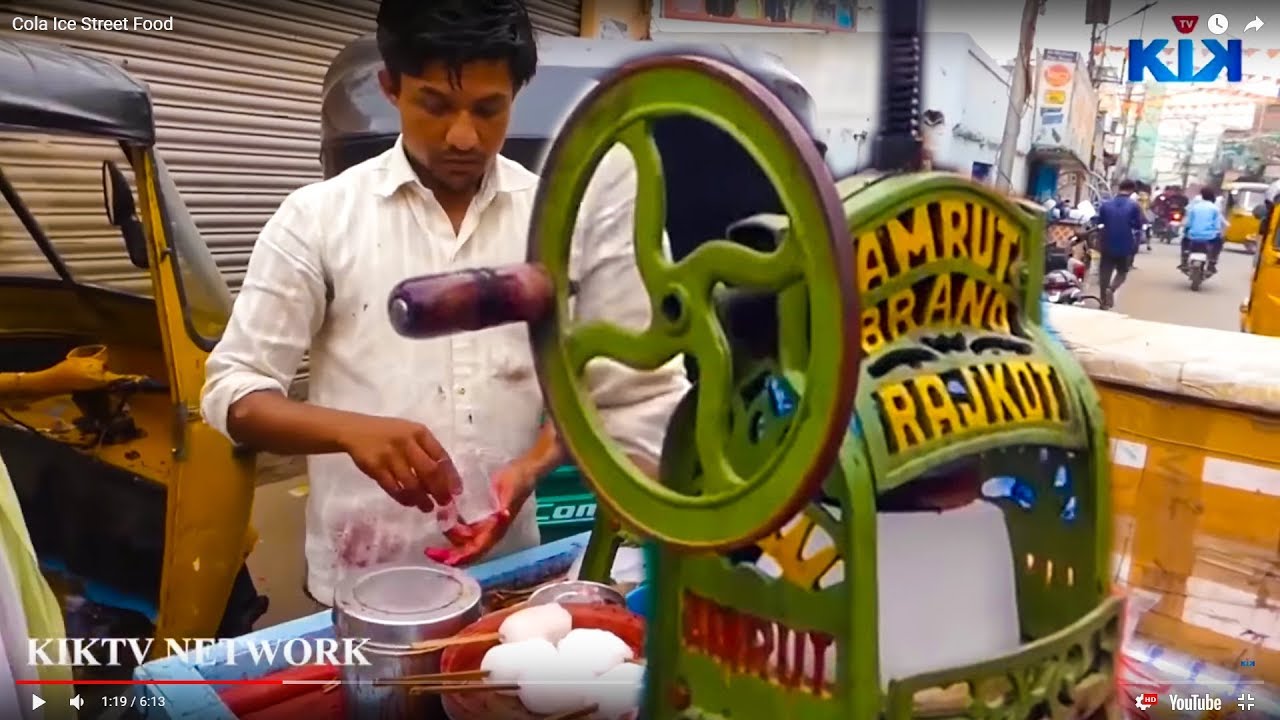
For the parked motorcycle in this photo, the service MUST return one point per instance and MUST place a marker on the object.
(1197, 265)
(1064, 279)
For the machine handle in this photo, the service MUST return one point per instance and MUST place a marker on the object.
(435, 305)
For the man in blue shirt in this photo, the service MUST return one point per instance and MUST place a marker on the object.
(1204, 224)
(1121, 219)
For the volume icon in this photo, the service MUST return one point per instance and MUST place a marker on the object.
(76, 702)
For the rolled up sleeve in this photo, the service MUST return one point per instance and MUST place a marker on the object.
(635, 406)
(279, 309)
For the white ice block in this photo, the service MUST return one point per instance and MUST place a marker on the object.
(947, 591)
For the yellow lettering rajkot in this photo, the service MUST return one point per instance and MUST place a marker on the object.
(924, 235)
(921, 409)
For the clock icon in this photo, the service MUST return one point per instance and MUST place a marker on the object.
(1217, 24)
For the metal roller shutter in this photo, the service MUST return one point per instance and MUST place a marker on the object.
(236, 90)
(236, 93)
(557, 17)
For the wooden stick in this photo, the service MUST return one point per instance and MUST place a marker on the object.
(574, 714)
(452, 677)
(464, 688)
(430, 646)
(457, 678)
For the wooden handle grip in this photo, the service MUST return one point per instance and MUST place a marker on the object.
(436, 305)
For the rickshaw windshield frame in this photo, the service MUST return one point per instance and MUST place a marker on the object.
(1254, 196)
(202, 291)
(32, 227)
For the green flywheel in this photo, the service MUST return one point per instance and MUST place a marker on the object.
(725, 509)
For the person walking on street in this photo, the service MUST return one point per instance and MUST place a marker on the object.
(1121, 222)
(1205, 223)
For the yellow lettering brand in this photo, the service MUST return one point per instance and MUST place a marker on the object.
(998, 312)
(901, 317)
(938, 311)
(872, 337)
(971, 306)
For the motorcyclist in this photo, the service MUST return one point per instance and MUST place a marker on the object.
(1205, 223)
(1169, 200)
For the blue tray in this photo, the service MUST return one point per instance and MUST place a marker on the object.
(199, 700)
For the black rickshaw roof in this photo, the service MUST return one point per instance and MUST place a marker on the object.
(353, 104)
(47, 87)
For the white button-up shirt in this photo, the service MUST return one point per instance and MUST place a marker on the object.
(319, 279)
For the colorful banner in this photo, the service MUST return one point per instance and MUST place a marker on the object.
(834, 15)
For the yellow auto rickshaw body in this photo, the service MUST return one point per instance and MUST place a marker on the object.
(1242, 198)
(1260, 311)
(136, 507)
(1192, 415)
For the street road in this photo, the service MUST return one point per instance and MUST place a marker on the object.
(1157, 291)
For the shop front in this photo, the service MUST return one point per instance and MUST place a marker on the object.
(1064, 129)
(236, 89)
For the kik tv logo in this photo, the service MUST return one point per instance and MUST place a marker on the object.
(1146, 59)
(1185, 24)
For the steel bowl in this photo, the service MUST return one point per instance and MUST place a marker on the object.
(577, 592)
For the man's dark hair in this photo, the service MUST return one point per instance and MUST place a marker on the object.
(1127, 186)
(1208, 194)
(415, 33)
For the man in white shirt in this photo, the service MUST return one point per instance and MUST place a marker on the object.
(394, 427)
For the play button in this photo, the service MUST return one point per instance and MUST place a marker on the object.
(36, 702)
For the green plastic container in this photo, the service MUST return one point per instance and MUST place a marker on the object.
(565, 506)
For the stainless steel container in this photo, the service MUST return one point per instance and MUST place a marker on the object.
(583, 592)
(393, 607)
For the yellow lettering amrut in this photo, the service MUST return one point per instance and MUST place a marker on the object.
(929, 407)
(939, 230)
(924, 235)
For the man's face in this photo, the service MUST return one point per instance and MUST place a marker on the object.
(454, 130)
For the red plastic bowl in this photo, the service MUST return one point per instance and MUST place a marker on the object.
(495, 706)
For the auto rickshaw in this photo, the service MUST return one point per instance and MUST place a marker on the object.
(1260, 311)
(357, 123)
(886, 495)
(138, 511)
(1241, 200)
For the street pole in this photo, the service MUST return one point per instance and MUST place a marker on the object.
(1018, 93)
(1191, 151)
(1131, 133)
(1095, 78)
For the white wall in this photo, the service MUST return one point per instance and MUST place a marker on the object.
(841, 71)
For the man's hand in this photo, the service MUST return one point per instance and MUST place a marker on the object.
(404, 458)
(512, 485)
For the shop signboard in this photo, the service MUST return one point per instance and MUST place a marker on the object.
(1066, 103)
(833, 15)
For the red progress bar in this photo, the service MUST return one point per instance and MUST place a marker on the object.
(256, 681)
